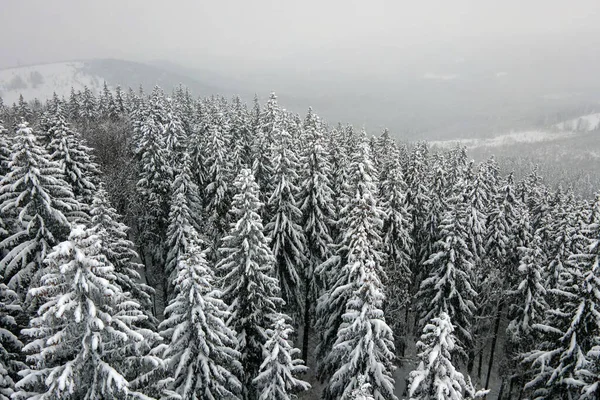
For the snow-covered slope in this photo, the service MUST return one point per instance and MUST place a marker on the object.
(585, 123)
(563, 130)
(532, 136)
(41, 81)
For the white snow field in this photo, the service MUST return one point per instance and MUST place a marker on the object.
(41, 81)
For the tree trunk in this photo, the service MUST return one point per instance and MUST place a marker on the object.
(480, 364)
(510, 387)
(494, 340)
(306, 324)
(500, 392)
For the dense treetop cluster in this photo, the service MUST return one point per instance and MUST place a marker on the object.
(158, 246)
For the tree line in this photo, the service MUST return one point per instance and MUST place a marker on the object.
(164, 246)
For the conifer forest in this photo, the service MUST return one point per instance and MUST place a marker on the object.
(156, 245)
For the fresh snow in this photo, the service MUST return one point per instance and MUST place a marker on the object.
(585, 123)
(41, 81)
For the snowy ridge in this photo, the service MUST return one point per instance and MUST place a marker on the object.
(532, 136)
(41, 81)
(585, 123)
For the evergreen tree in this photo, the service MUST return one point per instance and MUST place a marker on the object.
(77, 339)
(42, 202)
(200, 354)
(183, 217)
(277, 376)
(287, 237)
(241, 132)
(571, 329)
(10, 346)
(358, 252)
(397, 244)
(318, 218)
(218, 180)
(528, 306)
(365, 343)
(153, 188)
(74, 106)
(448, 288)
(250, 289)
(363, 391)
(436, 378)
(68, 150)
(174, 133)
(119, 251)
(269, 121)
(88, 109)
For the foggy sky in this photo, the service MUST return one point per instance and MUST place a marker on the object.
(263, 33)
(419, 66)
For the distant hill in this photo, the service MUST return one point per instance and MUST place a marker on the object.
(41, 81)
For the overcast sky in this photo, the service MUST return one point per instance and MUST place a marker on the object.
(419, 66)
(198, 32)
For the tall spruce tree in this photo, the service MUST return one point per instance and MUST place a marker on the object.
(277, 378)
(66, 148)
(287, 237)
(77, 340)
(359, 252)
(448, 288)
(42, 203)
(318, 218)
(200, 351)
(250, 288)
(10, 345)
(436, 377)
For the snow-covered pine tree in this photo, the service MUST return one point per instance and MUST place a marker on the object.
(436, 378)
(200, 353)
(448, 288)
(119, 250)
(528, 305)
(363, 391)
(183, 219)
(10, 345)
(250, 288)
(397, 244)
(287, 237)
(418, 202)
(88, 110)
(23, 111)
(338, 177)
(106, 103)
(219, 171)
(269, 120)
(241, 133)
(365, 343)
(66, 148)
(174, 134)
(277, 378)
(42, 202)
(359, 252)
(82, 328)
(501, 262)
(74, 107)
(153, 188)
(5, 146)
(318, 218)
(119, 104)
(571, 328)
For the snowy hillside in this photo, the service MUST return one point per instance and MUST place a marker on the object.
(532, 136)
(41, 81)
(585, 123)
